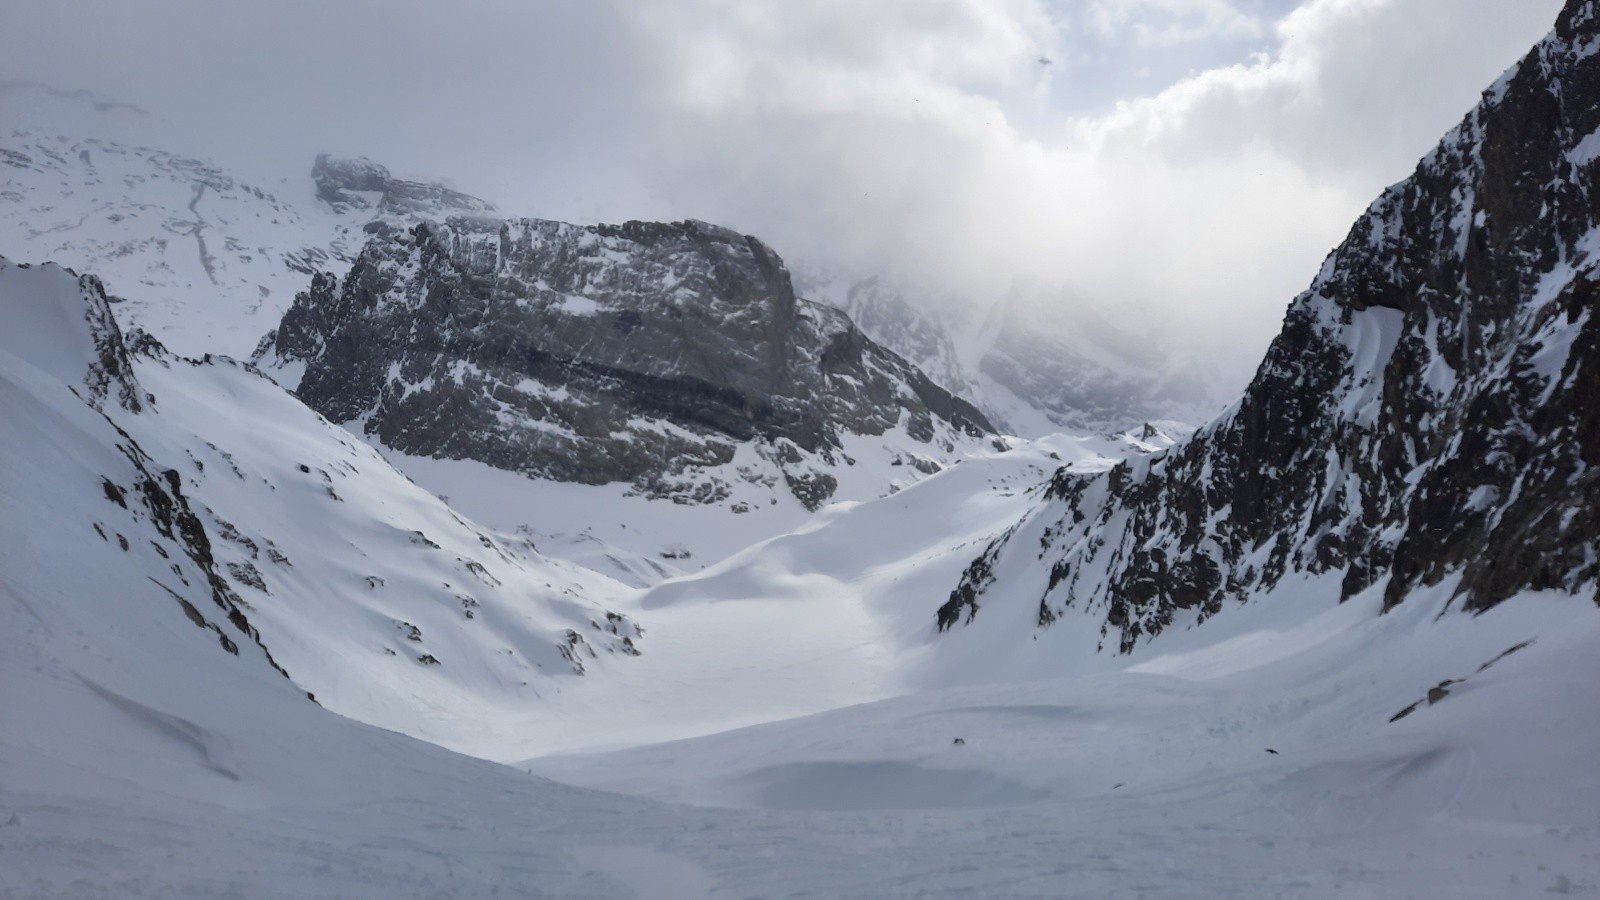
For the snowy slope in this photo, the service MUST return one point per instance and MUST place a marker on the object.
(141, 757)
(1224, 771)
(830, 614)
(626, 534)
(372, 593)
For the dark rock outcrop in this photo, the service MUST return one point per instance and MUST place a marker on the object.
(599, 354)
(1429, 411)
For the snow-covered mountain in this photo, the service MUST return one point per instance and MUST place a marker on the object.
(201, 257)
(1426, 416)
(208, 260)
(672, 357)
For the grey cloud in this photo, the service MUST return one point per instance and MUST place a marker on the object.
(919, 137)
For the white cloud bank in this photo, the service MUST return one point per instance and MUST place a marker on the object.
(1169, 159)
(917, 141)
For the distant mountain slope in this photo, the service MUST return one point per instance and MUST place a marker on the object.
(205, 259)
(1430, 412)
(675, 357)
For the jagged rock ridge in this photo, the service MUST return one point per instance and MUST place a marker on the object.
(1427, 412)
(599, 354)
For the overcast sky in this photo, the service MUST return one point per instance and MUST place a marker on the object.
(1160, 157)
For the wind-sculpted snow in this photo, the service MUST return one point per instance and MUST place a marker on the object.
(1428, 411)
(645, 353)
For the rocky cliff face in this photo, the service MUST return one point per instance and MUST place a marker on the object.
(634, 352)
(1430, 410)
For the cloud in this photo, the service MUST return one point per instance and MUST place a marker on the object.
(1170, 160)
(1167, 23)
(834, 55)
(1209, 202)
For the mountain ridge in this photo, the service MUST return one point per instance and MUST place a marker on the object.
(1426, 412)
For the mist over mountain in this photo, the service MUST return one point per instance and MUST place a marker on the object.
(1037, 362)
(1424, 417)
(930, 146)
